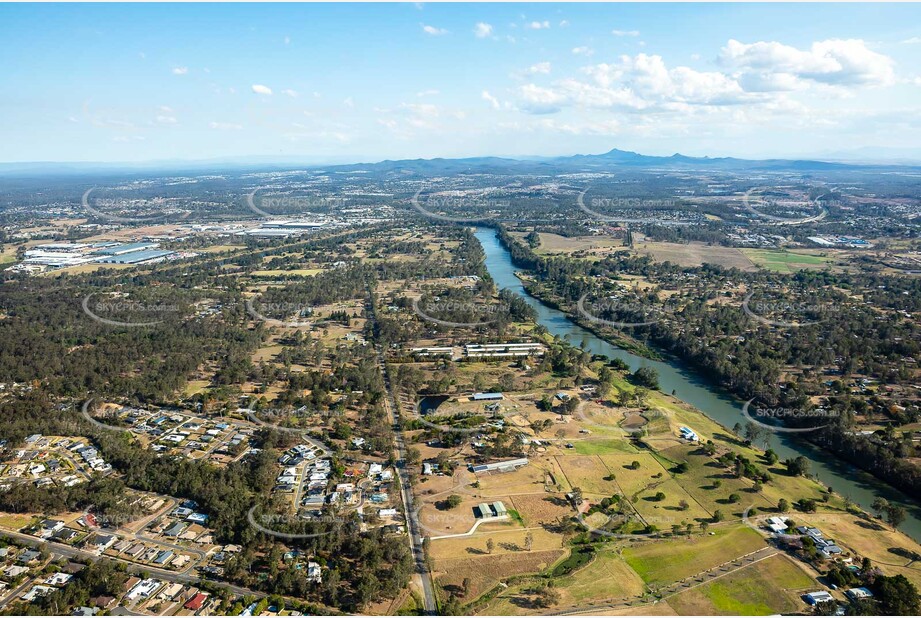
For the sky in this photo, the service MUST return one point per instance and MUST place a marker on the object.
(339, 82)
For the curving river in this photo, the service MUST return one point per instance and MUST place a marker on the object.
(846, 480)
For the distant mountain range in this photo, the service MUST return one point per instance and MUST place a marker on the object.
(611, 159)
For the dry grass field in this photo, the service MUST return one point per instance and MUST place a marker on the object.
(868, 538)
(485, 572)
(695, 254)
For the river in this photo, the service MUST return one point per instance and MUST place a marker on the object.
(689, 387)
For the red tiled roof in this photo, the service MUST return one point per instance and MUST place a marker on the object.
(196, 602)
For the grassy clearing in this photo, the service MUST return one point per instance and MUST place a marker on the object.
(588, 473)
(607, 577)
(780, 261)
(673, 560)
(485, 573)
(769, 587)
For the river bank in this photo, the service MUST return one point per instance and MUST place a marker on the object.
(688, 386)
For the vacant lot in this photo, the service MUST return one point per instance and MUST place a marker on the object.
(695, 254)
(538, 509)
(608, 576)
(771, 586)
(670, 561)
(588, 474)
(484, 572)
(508, 538)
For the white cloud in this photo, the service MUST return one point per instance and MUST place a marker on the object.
(180, 70)
(260, 89)
(287, 40)
(225, 126)
(542, 68)
(427, 93)
(348, 102)
(912, 41)
(642, 82)
(834, 62)
(584, 50)
(167, 120)
(625, 32)
(166, 109)
(538, 25)
(564, 23)
(433, 31)
(539, 100)
(609, 126)
(482, 30)
(290, 93)
(492, 100)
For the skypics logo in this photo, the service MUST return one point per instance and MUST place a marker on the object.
(290, 315)
(459, 418)
(757, 309)
(103, 205)
(458, 308)
(612, 526)
(435, 205)
(85, 411)
(803, 421)
(643, 314)
(630, 204)
(268, 523)
(288, 204)
(267, 417)
(633, 424)
(748, 201)
(130, 312)
(439, 518)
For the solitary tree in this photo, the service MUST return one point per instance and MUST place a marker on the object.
(879, 506)
(490, 545)
(895, 514)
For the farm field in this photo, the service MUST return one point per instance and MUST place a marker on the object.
(672, 560)
(771, 586)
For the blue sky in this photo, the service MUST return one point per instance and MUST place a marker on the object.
(367, 82)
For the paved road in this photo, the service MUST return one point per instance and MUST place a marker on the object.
(412, 521)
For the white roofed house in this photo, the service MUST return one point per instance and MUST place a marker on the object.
(314, 572)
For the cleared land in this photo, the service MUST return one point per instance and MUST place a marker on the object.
(786, 261)
(771, 586)
(673, 560)
(696, 254)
